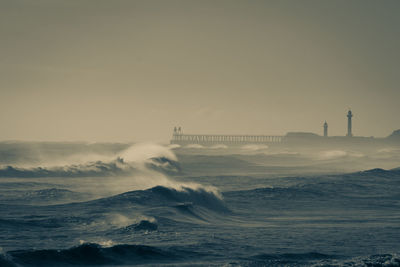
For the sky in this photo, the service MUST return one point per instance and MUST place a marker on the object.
(122, 71)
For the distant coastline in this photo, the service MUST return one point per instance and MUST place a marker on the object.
(290, 139)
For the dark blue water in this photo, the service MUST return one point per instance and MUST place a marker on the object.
(199, 210)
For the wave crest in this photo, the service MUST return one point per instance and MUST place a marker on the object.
(197, 195)
(117, 167)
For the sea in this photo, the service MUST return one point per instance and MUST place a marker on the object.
(148, 204)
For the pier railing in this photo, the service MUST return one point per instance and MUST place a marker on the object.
(210, 138)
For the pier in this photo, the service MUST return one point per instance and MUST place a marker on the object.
(179, 138)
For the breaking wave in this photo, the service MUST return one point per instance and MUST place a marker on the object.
(139, 167)
(133, 159)
(180, 197)
(92, 169)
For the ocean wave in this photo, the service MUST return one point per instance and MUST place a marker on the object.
(40, 223)
(173, 197)
(143, 225)
(5, 261)
(163, 165)
(56, 153)
(319, 259)
(116, 167)
(141, 152)
(295, 257)
(133, 159)
(53, 195)
(374, 185)
(270, 193)
(91, 254)
(92, 169)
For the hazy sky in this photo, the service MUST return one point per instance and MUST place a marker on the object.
(114, 70)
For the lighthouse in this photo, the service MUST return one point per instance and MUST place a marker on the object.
(349, 116)
(325, 129)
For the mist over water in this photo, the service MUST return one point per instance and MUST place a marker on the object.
(224, 133)
(136, 167)
(152, 204)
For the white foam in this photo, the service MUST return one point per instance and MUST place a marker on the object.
(332, 154)
(143, 151)
(194, 146)
(254, 147)
(336, 154)
(219, 146)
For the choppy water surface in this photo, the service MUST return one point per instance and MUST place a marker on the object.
(150, 205)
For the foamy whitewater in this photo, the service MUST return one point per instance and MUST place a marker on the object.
(64, 204)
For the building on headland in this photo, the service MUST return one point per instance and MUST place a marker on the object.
(291, 139)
